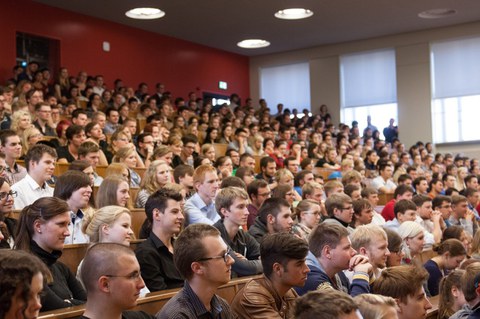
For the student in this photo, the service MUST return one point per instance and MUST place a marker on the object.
(451, 253)
(405, 285)
(326, 304)
(308, 213)
(156, 253)
(471, 291)
(21, 284)
(111, 275)
(330, 254)
(373, 306)
(183, 175)
(258, 191)
(231, 203)
(405, 210)
(6, 207)
(272, 296)
(12, 148)
(451, 301)
(401, 192)
(40, 162)
(203, 260)
(340, 211)
(114, 190)
(42, 229)
(273, 217)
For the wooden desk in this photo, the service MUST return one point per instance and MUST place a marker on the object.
(384, 198)
(220, 149)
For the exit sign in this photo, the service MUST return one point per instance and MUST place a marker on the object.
(222, 85)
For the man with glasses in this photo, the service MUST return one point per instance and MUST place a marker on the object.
(12, 148)
(258, 191)
(156, 253)
(231, 204)
(272, 295)
(340, 210)
(203, 259)
(7, 224)
(111, 275)
(43, 112)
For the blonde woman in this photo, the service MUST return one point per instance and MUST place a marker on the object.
(21, 120)
(308, 213)
(209, 152)
(156, 177)
(257, 145)
(413, 238)
(285, 177)
(30, 137)
(460, 181)
(130, 157)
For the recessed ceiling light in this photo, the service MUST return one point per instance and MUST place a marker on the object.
(145, 13)
(253, 44)
(437, 13)
(294, 14)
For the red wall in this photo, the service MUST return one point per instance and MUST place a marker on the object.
(135, 55)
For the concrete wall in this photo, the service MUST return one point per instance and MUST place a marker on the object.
(413, 77)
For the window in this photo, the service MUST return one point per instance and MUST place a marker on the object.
(368, 87)
(286, 84)
(455, 77)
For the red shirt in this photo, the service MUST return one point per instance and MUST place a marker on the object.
(387, 211)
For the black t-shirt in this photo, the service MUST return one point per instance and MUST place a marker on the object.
(63, 152)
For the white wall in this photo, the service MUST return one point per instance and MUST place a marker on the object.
(413, 77)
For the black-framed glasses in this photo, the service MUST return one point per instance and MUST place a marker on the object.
(224, 257)
(133, 276)
(4, 195)
(347, 208)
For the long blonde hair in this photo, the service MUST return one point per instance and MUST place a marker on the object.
(149, 181)
(92, 225)
(16, 118)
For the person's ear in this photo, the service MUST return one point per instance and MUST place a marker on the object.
(278, 269)
(362, 251)
(103, 284)
(197, 268)
(327, 252)
(156, 214)
(105, 229)
(37, 226)
(223, 211)
(270, 219)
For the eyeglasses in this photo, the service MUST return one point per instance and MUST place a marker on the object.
(4, 195)
(224, 257)
(133, 276)
(347, 208)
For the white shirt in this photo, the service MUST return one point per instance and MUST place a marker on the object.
(378, 182)
(75, 229)
(29, 191)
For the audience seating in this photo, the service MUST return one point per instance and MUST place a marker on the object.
(220, 149)
(153, 302)
(138, 217)
(258, 158)
(324, 172)
(384, 198)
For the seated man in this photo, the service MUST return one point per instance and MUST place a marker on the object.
(183, 176)
(405, 284)
(40, 162)
(90, 152)
(203, 259)
(326, 304)
(340, 211)
(231, 203)
(301, 179)
(200, 208)
(371, 195)
(384, 183)
(258, 191)
(156, 253)
(273, 217)
(462, 216)
(405, 210)
(401, 192)
(11, 146)
(471, 292)
(283, 261)
(330, 254)
(330, 160)
(75, 137)
(431, 220)
(111, 275)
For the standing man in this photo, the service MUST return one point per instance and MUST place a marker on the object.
(40, 162)
(203, 259)
(231, 204)
(272, 295)
(156, 253)
(111, 275)
(200, 208)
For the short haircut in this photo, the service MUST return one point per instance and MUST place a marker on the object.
(201, 171)
(325, 304)
(367, 191)
(5, 134)
(418, 180)
(180, 171)
(439, 200)
(73, 130)
(469, 178)
(374, 306)
(226, 197)
(77, 112)
(402, 178)
(401, 190)
(403, 205)
(457, 199)
(300, 176)
(470, 281)
(189, 247)
(69, 182)
(469, 191)
(265, 161)
(35, 154)
(336, 201)
(361, 204)
(281, 248)
(400, 282)
(271, 206)
(102, 259)
(351, 176)
(309, 189)
(189, 138)
(420, 199)
(365, 235)
(326, 234)
(88, 147)
(350, 188)
(159, 200)
(253, 187)
(330, 186)
(233, 181)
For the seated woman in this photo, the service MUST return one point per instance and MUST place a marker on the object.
(224, 165)
(156, 176)
(284, 191)
(21, 284)
(452, 301)
(308, 215)
(42, 229)
(129, 156)
(450, 255)
(459, 233)
(6, 207)
(114, 190)
(395, 247)
(164, 153)
(413, 238)
(30, 137)
(246, 174)
(284, 176)
(209, 152)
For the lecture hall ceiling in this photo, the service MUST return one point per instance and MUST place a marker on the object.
(223, 23)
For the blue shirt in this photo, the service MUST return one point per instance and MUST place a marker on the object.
(199, 212)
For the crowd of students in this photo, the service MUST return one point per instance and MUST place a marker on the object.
(291, 197)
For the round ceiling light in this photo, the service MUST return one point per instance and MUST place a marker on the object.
(294, 14)
(253, 44)
(437, 13)
(145, 13)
